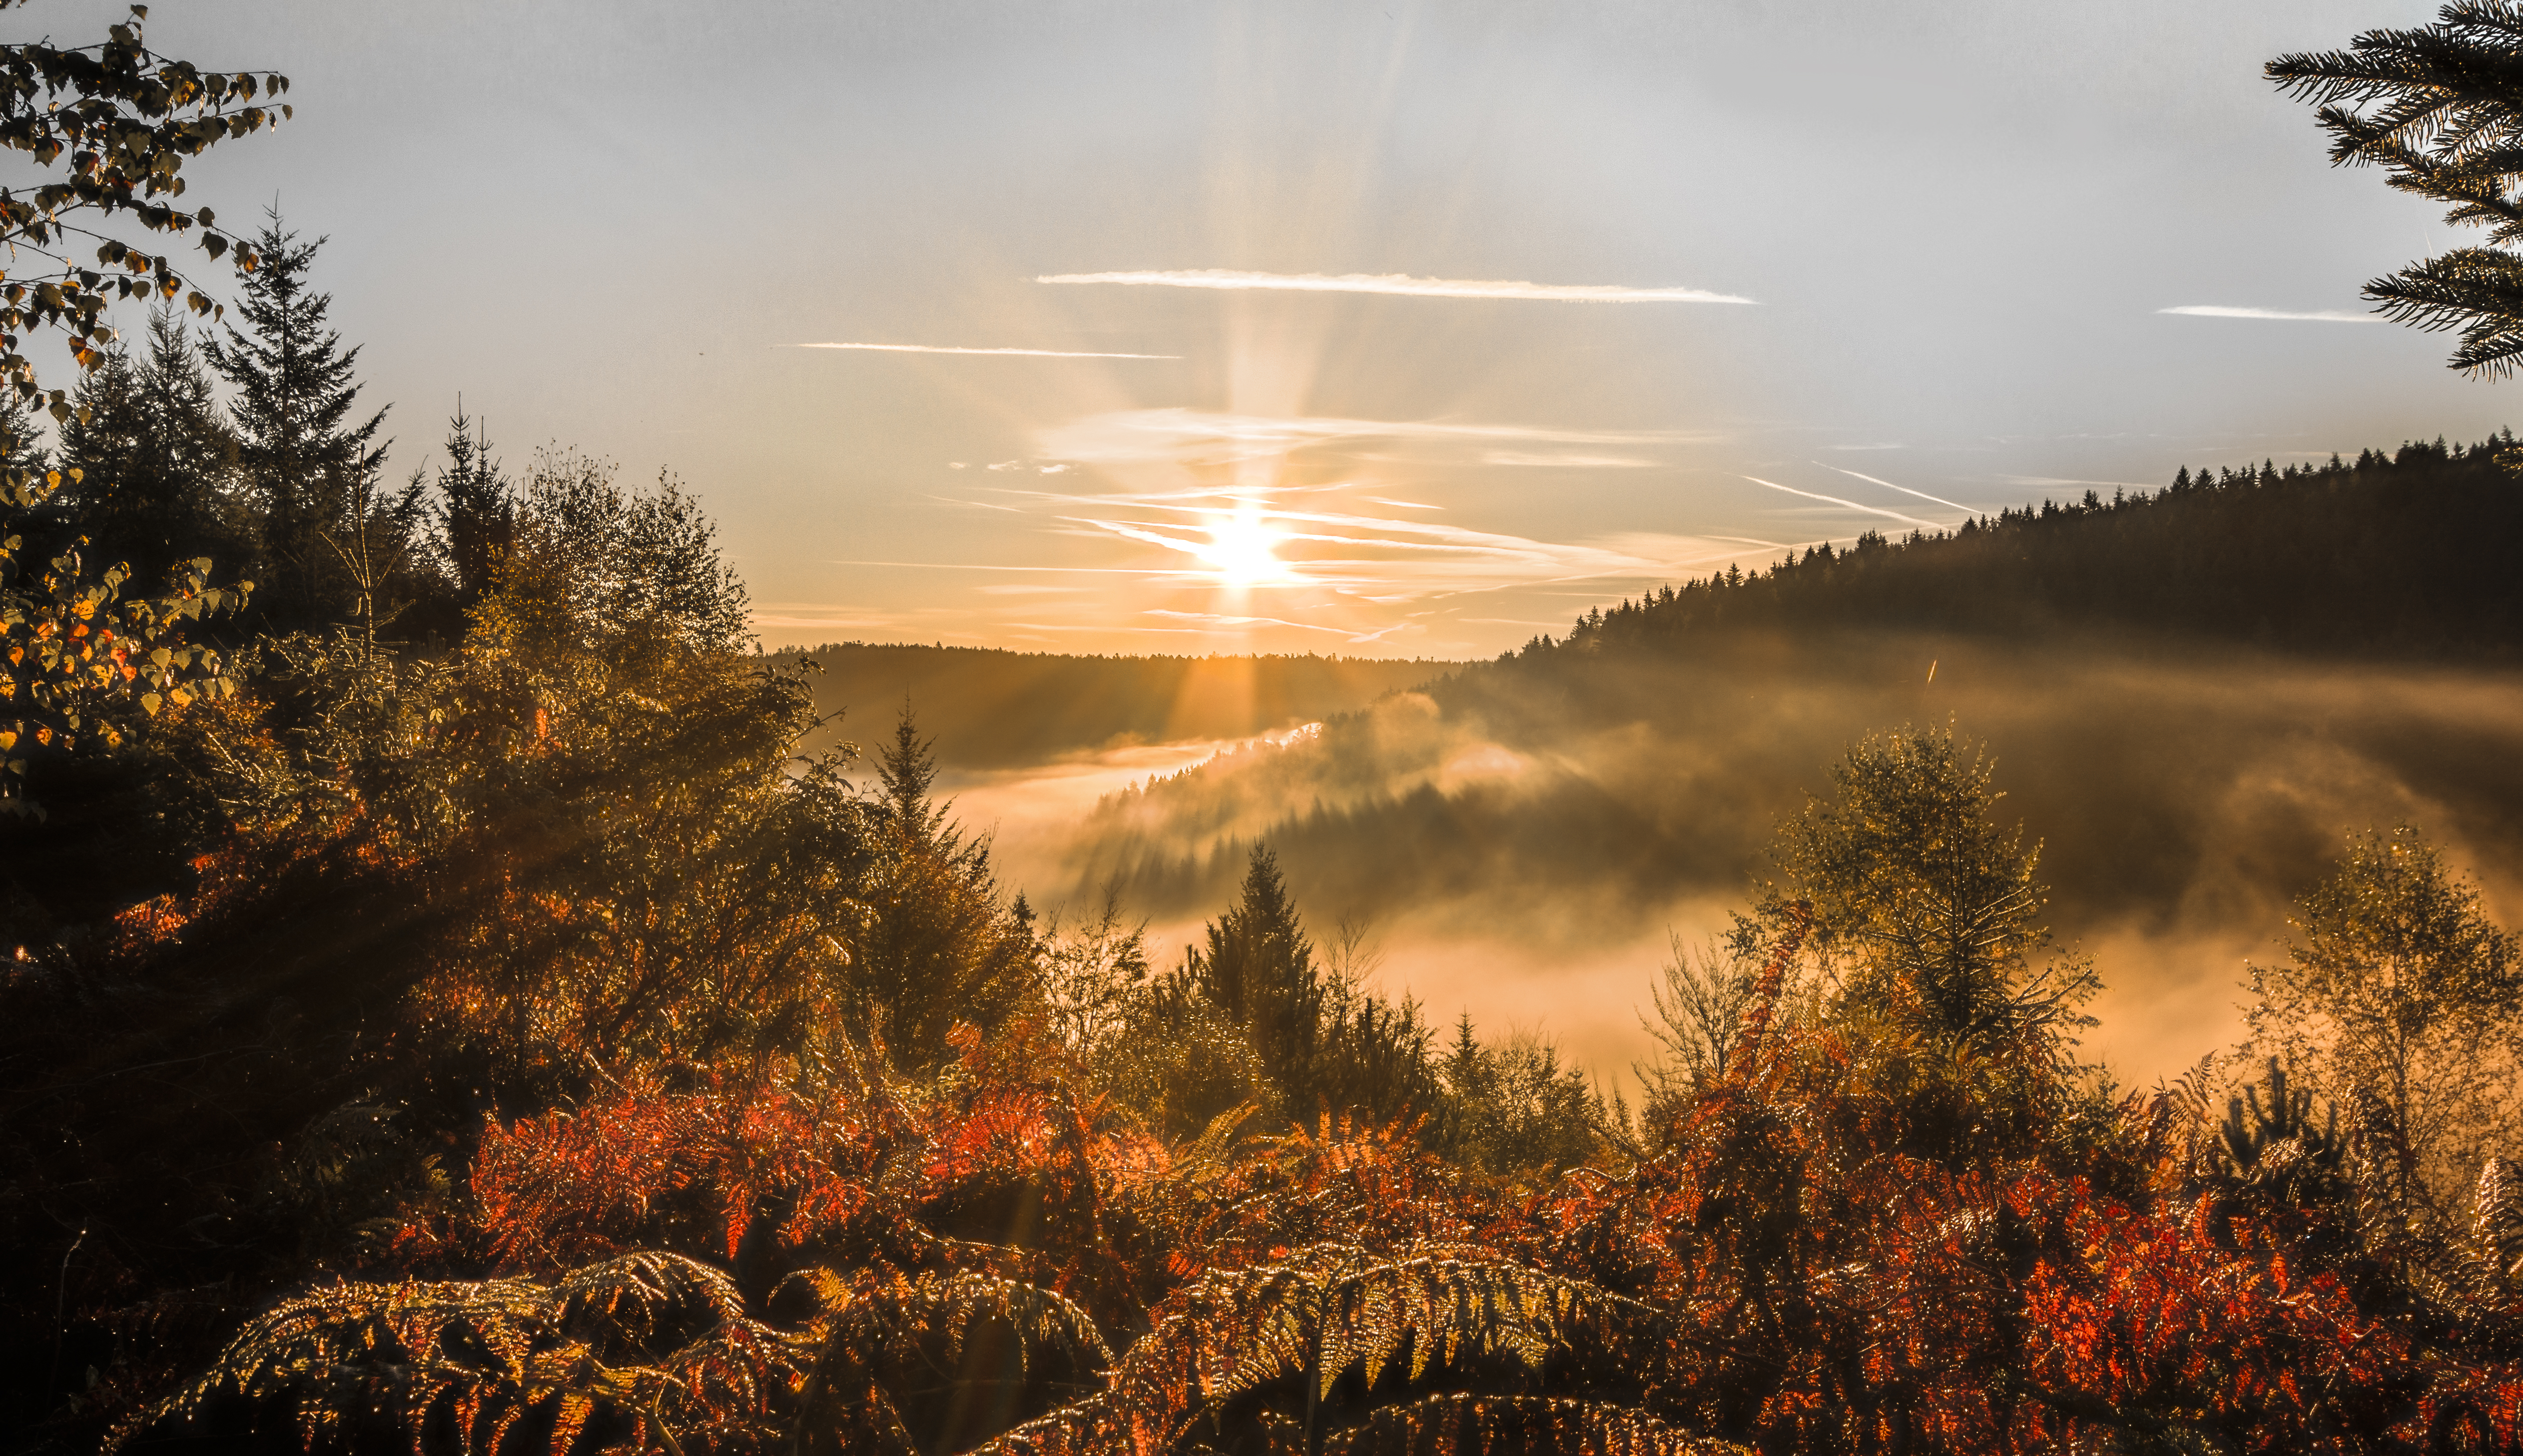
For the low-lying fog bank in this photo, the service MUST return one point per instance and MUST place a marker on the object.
(1523, 841)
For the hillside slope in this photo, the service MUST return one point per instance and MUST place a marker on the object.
(2410, 554)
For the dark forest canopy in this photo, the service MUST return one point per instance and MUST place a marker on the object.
(2405, 554)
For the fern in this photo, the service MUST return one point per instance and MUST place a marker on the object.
(632, 1350)
(1539, 1425)
(937, 1356)
(1261, 1347)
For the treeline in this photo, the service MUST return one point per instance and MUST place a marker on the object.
(2399, 554)
(245, 443)
(996, 708)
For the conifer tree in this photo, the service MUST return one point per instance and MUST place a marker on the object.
(906, 768)
(306, 459)
(155, 458)
(1258, 967)
(2438, 108)
(476, 513)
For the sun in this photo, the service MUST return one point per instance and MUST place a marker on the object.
(1243, 550)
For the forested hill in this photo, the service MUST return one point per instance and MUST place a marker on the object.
(990, 708)
(2410, 554)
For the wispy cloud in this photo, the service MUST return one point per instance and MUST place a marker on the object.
(1565, 462)
(2221, 310)
(1193, 437)
(1388, 560)
(1904, 490)
(1402, 283)
(1226, 620)
(1038, 354)
(1835, 500)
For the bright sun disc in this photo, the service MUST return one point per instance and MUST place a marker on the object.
(1243, 550)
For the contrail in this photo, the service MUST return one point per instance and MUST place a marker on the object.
(2221, 310)
(1851, 505)
(1402, 283)
(1039, 353)
(1904, 490)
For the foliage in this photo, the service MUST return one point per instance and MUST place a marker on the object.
(304, 460)
(127, 119)
(1515, 1107)
(2439, 109)
(1322, 1040)
(1921, 909)
(2214, 555)
(2400, 1000)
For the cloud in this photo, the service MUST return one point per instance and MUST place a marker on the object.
(1225, 621)
(1402, 283)
(1193, 437)
(1362, 555)
(1098, 571)
(1036, 353)
(2221, 310)
(1565, 462)
(1904, 490)
(1835, 500)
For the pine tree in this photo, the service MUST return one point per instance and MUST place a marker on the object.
(2435, 107)
(1258, 967)
(906, 769)
(155, 460)
(306, 462)
(476, 514)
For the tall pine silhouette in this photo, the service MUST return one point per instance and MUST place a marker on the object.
(308, 462)
(477, 508)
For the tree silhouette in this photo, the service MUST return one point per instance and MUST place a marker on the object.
(2440, 107)
(1259, 966)
(906, 769)
(303, 454)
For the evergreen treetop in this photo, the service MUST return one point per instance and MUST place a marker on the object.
(303, 454)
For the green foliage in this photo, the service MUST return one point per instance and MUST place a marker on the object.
(2438, 108)
(1922, 909)
(1325, 1041)
(127, 120)
(1325, 1342)
(476, 512)
(156, 459)
(76, 655)
(306, 465)
(2400, 1000)
(2268, 1149)
(1515, 1107)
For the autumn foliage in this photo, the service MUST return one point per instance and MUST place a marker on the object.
(549, 1059)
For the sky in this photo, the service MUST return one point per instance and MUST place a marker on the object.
(1384, 329)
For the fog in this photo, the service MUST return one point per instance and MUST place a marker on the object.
(1522, 842)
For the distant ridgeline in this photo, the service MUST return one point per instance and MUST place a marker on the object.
(2408, 554)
